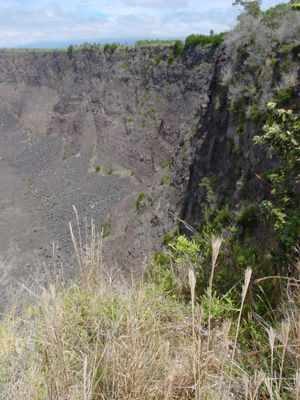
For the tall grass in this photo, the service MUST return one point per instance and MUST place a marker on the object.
(102, 338)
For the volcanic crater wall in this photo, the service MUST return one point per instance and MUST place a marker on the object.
(95, 130)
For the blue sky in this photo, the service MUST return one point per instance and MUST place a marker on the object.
(55, 22)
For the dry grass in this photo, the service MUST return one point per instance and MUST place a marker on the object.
(108, 342)
(101, 339)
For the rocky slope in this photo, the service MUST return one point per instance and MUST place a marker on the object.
(95, 129)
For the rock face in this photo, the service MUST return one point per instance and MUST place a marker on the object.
(96, 130)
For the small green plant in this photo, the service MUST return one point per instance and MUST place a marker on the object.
(166, 164)
(70, 51)
(224, 216)
(110, 170)
(185, 249)
(139, 199)
(105, 232)
(168, 237)
(171, 60)
(132, 173)
(284, 95)
(111, 48)
(273, 62)
(161, 274)
(158, 59)
(247, 217)
(161, 258)
(178, 48)
(124, 65)
(219, 308)
(98, 168)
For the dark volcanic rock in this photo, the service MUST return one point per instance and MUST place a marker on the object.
(62, 119)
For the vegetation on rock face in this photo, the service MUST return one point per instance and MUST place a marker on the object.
(70, 50)
(179, 48)
(153, 42)
(203, 40)
(263, 50)
(139, 199)
(110, 48)
(282, 135)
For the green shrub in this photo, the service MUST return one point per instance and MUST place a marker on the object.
(171, 60)
(168, 237)
(219, 308)
(158, 59)
(284, 95)
(163, 277)
(105, 228)
(110, 47)
(98, 168)
(70, 51)
(178, 48)
(247, 217)
(185, 249)
(160, 258)
(157, 42)
(202, 40)
(224, 216)
(139, 199)
(113, 47)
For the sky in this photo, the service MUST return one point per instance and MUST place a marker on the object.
(57, 23)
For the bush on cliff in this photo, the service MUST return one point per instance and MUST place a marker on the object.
(202, 40)
(262, 50)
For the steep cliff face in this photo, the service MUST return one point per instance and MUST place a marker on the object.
(96, 130)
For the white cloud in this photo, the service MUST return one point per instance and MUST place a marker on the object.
(159, 3)
(26, 21)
